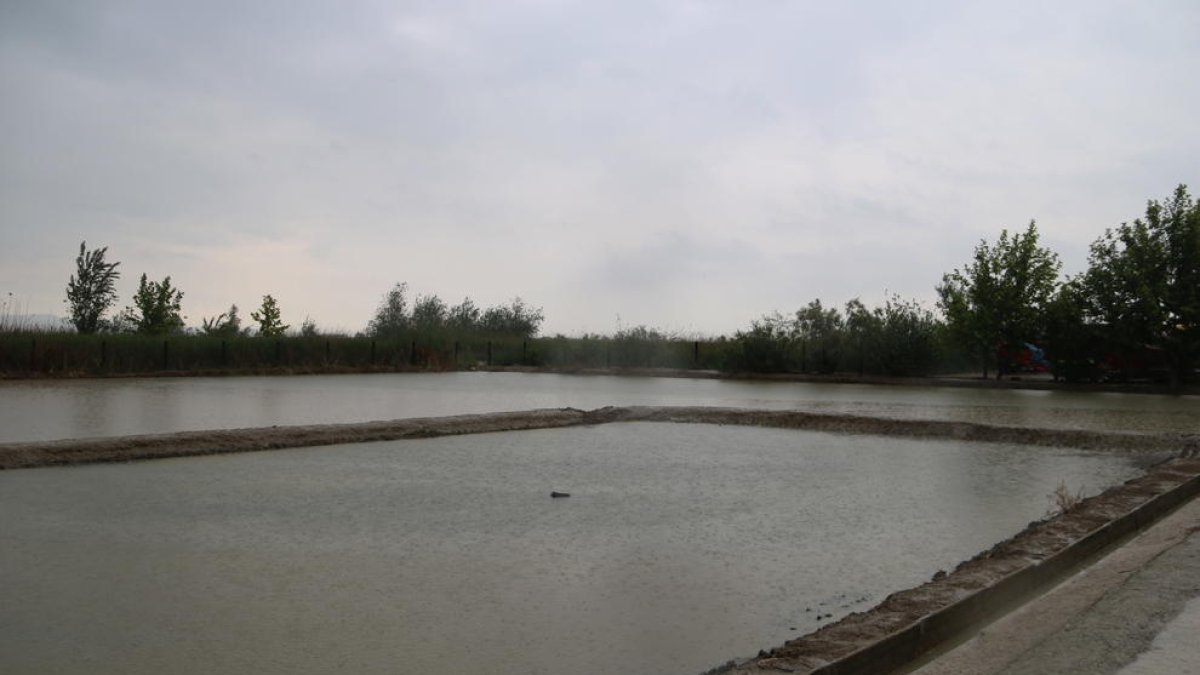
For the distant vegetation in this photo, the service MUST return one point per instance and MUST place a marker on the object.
(1133, 314)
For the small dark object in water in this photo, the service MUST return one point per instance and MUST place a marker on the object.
(557, 495)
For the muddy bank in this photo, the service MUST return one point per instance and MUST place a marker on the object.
(152, 446)
(187, 443)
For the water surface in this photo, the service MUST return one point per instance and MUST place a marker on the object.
(45, 410)
(681, 546)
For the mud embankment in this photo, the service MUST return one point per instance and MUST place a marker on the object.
(155, 446)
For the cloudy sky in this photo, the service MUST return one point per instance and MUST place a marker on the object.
(689, 165)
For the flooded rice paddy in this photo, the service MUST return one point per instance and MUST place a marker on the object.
(680, 547)
(46, 410)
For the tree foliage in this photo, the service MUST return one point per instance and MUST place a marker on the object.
(819, 330)
(464, 317)
(391, 317)
(226, 325)
(308, 327)
(156, 308)
(429, 313)
(515, 319)
(1001, 296)
(91, 290)
(1143, 282)
(268, 318)
(898, 338)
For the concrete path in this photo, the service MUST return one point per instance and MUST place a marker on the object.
(1134, 612)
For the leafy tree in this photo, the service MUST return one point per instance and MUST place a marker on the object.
(308, 327)
(156, 308)
(909, 345)
(391, 318)
(1000, 297)
(515, 319)
(766, 348)
(1071, 339)
(820, 332)
(899, 338)
(464, 317)
(1143, 281)
(429, 313)
(268, 318)
(90, 291)
(227, 324)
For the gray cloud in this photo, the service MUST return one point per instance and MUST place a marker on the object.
(686, 164)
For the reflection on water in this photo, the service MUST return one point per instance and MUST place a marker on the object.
(84, 408)
(681, 546)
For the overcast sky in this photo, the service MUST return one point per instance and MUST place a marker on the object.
(689, 165)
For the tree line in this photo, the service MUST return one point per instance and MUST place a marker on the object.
(157, 310)
(1134, 312)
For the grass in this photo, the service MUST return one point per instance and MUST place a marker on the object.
(1062, 500)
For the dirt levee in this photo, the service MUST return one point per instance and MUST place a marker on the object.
(153, 446)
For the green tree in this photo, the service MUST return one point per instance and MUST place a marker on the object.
(429, 313)
(515, 319)
(898, 338)
(1143, 282)
(766, 348)
(226, 325)
(1001, 296)
(391, 317)
(268, 318)
(90, 291)
(156, 308)
(821, 334)
(1071, 339)
(464, 317)
(308, 327)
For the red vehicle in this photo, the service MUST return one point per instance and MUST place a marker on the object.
(1022, 358)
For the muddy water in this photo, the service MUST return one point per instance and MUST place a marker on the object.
(680, 547)
(86, 408)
